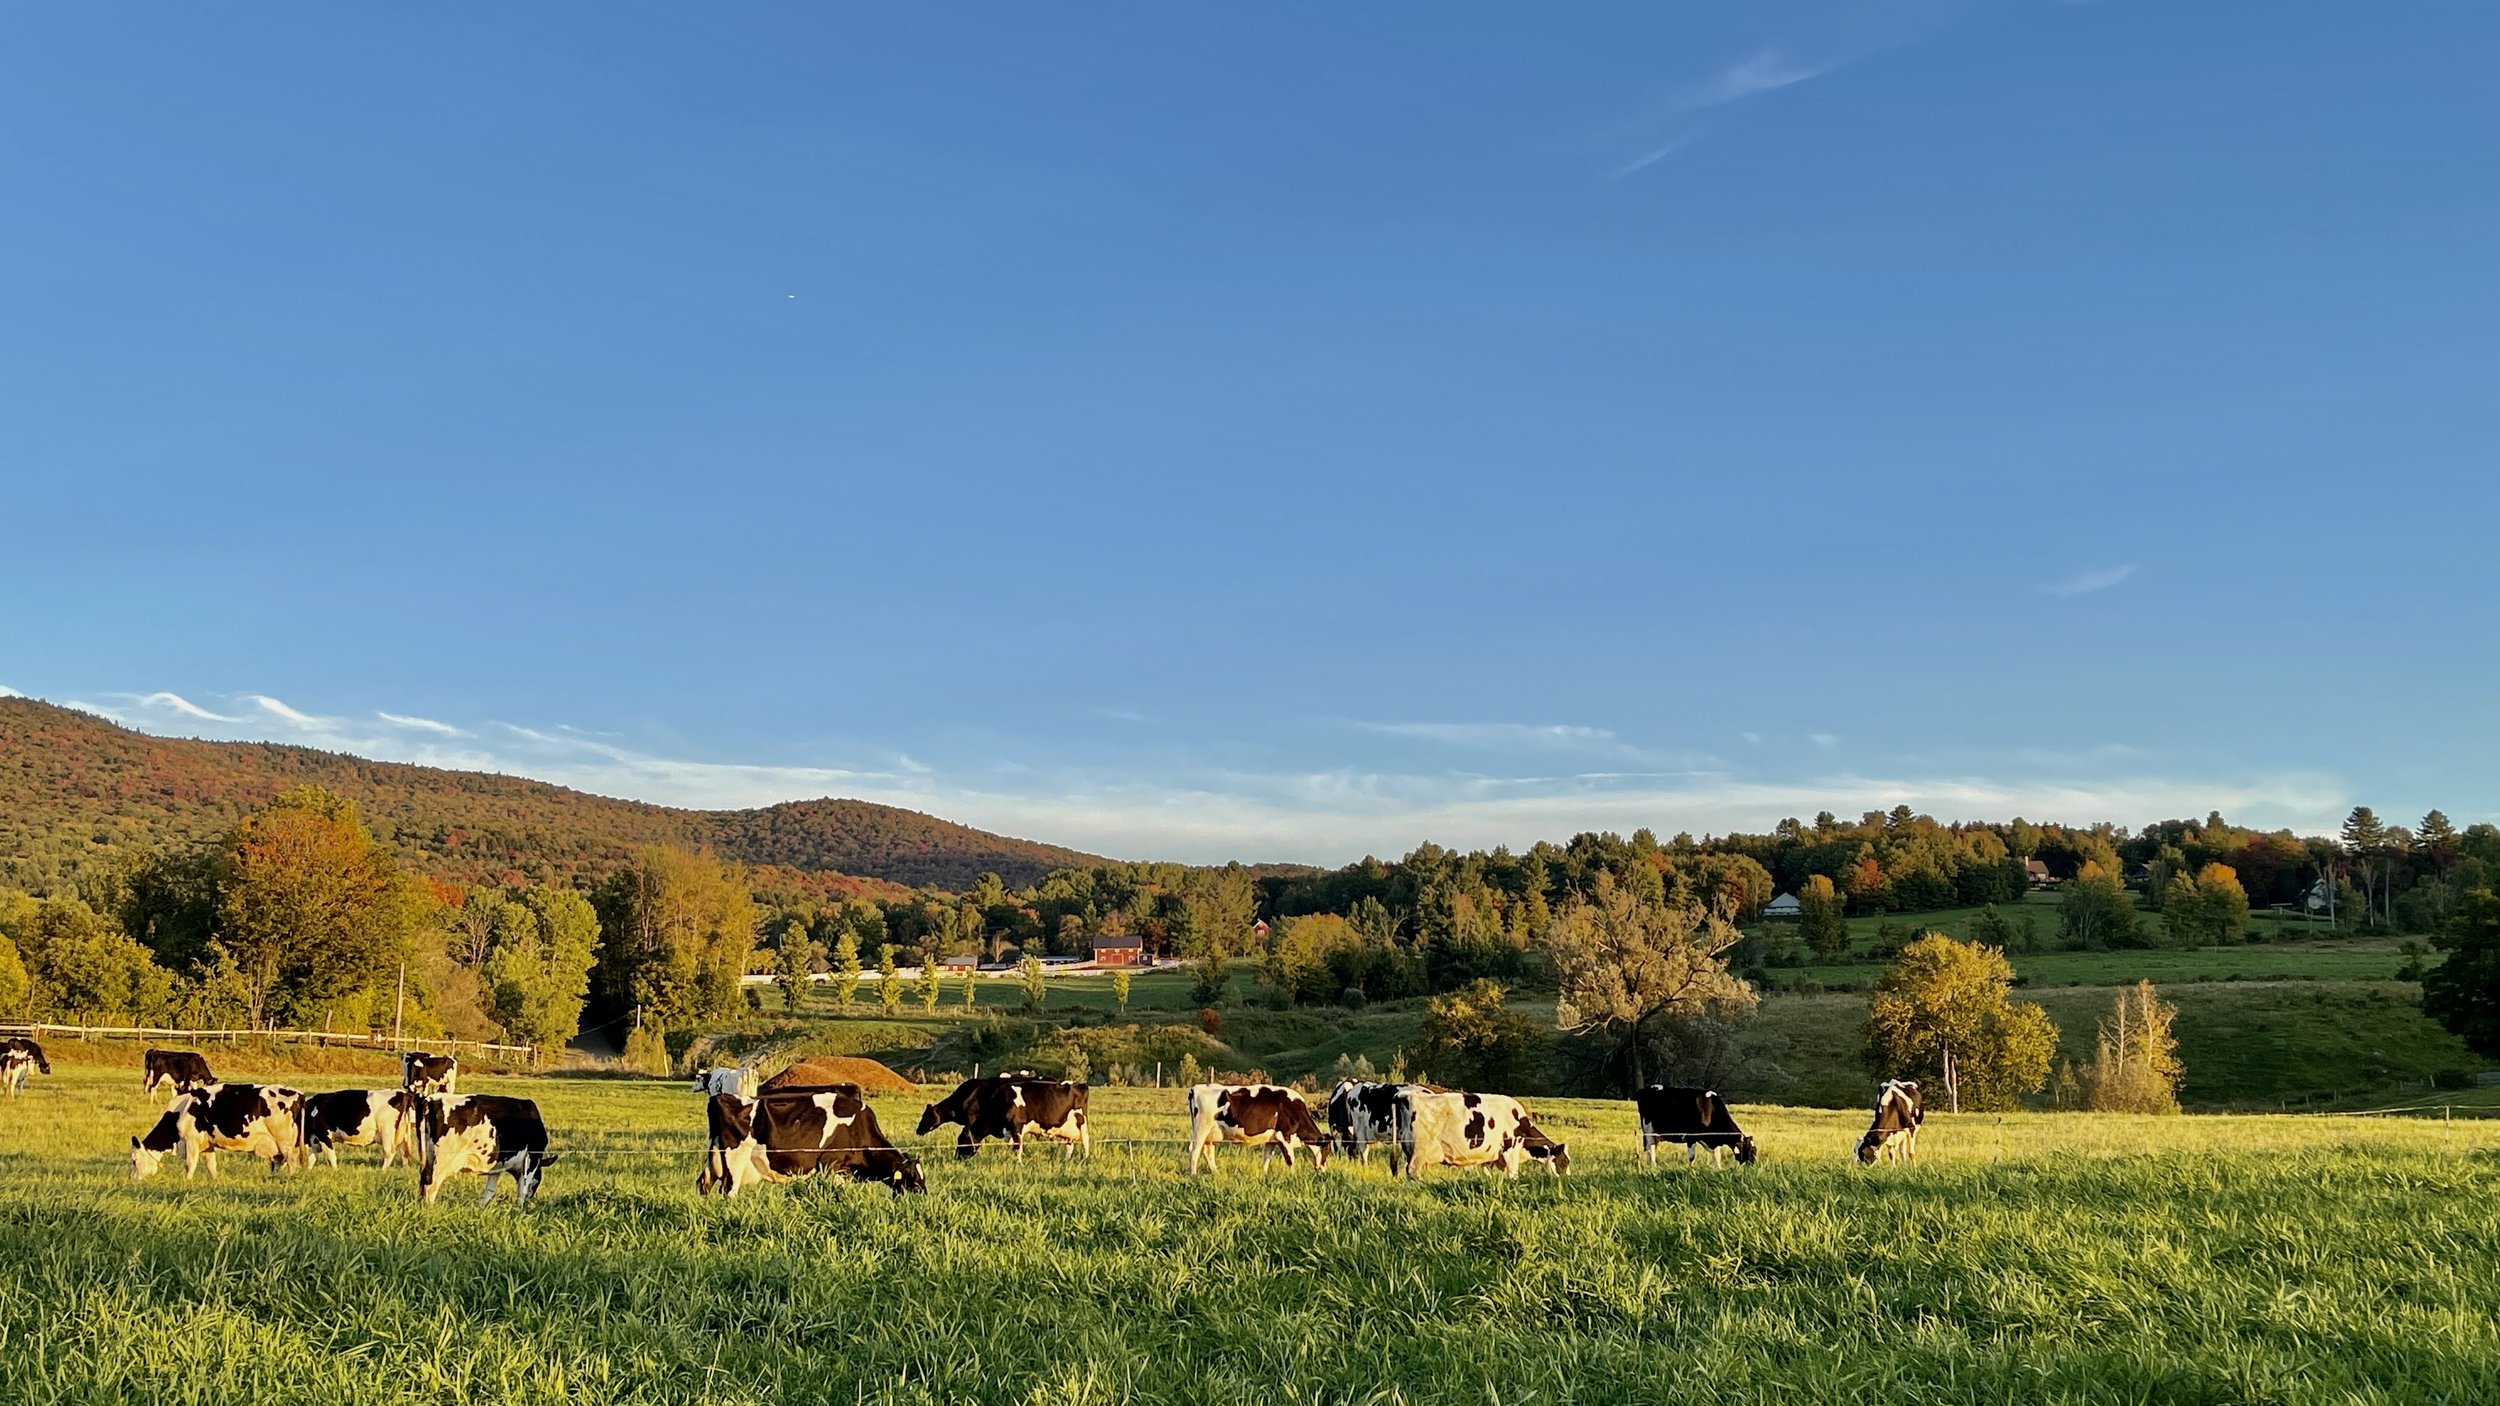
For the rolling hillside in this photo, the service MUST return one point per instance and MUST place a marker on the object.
(74, 786)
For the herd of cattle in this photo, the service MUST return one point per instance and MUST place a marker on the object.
(788, 1128)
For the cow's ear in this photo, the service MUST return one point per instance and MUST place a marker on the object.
(134, 1142)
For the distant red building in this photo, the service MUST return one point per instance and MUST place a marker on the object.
(1125, 951)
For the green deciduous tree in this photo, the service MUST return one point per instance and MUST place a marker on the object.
(309, 907)
(2463, 991)
(1945, 996)
(2097, 911)
(1624, 961)
(1822, 917)
(889, 978)
(932, 977)
(680, 928)
(794, 964)
(1119, 989)
(2207, 910)
(1036, 986)
(1471, 1037)
(17, 989)
(846, 969)
(542, 944)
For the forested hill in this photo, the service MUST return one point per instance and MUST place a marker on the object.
(74, 787)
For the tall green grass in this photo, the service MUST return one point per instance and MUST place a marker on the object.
(2025, 1258)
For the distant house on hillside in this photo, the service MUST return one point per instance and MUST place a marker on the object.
(2038, 870)
(959, 963)
(1784, 906)
(1124, 951)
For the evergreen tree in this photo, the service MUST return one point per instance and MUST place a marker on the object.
(1036, 986)
(889, 978)
(2463, 991)
(846, 969)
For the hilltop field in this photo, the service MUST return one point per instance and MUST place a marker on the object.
(2031, 1257)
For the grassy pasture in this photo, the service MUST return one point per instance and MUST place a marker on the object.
(2029, 1257)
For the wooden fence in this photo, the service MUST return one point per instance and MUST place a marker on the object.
(318, 1038)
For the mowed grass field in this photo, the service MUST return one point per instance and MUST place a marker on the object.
(2025, 1258)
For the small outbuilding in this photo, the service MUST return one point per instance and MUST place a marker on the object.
(1784, 906)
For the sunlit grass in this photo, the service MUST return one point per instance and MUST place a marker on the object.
(2029, 1257)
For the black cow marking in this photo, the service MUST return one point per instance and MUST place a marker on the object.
(1014, 1106)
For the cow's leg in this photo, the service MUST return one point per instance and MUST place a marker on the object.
(1197, 1148)
(192, 1159)
(965, 1143)
(494, 1176)
(1691, 1150)
(1287, 1144)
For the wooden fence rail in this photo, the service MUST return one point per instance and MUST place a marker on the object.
(318, 1038)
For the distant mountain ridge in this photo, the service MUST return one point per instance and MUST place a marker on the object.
(74, 786)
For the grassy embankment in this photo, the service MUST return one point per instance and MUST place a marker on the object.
(2030, 1257)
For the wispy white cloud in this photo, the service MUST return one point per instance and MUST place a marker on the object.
(2084, 583)
(1764, 71)
(1497, 734)
(275, 708)
(108, 714)
(1656, 154)
(1824, 740)
(176, 703)
(422, 724)
(1753, 737)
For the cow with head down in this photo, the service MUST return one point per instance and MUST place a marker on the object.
(1268, 1116)
(1013, 1106)
(381, 1118)
(1697, 1118)
(484, 1133)
(779, 1137)
(258, 1120)
(182, 1071)
(1894, 1133)
(1474, 1130)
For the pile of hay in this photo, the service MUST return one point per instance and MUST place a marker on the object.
(871, 1076)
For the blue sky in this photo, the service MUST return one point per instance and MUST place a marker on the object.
(1277, 431)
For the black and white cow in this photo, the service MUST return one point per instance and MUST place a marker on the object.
(1361, 1113)
(183, 1071)
(1268, 1116)
(260, 1120)
(20, 1057)
(383, 1118)
(1697, 1118)
(789, 1135)
(726, 1079)
(1013, 1106)
(485, 1133)
(1894, 1133)
(429, 1075)
(1474, 1130)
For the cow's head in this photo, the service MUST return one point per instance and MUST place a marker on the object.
(143, 1159)
(1746, 1152)
(1869, 1145)
(907, 1176)
(1555, 1155)
(929, 1119)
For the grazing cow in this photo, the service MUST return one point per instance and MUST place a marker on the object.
(1697, 1118)
(429, 1075)
(1013, 1106)
(485, 1133)
(1361, 1113)
(19, 1057)
(261, 1120)
(183, 1071)
(383, 1118)
(1894, 1133)
(1268, 1116)
(726, 1079)
(1474, 1130)
(786, 1136)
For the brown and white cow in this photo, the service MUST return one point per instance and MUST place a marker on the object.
(1268, 1116)
(485, 1133)
(383, 1118)
(1474, 1130)
(20, 1057)
(1894, 1133)
(785, 1136)
(428, 1075)
(1013, 1106)
(1697, 1118)
(182, 1071)
(259, 1120)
